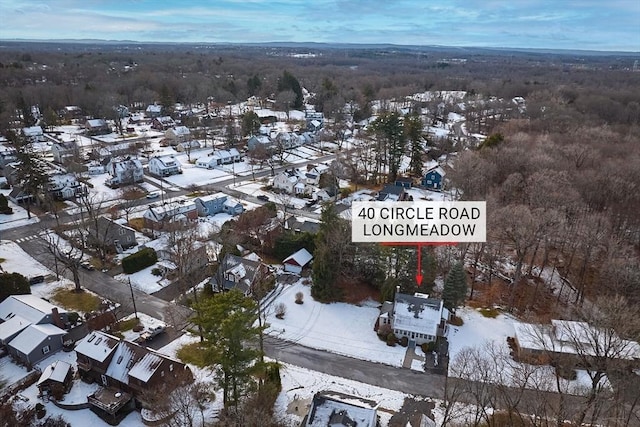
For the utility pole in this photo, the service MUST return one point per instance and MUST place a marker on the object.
(135, 310)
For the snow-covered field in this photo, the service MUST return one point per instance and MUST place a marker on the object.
(322, 326)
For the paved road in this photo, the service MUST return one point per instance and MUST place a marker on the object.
(106, 286)
(404, 380)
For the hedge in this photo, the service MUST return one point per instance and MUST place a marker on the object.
(142, 259)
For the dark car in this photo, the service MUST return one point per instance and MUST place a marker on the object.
(263, 198)
(35, 280)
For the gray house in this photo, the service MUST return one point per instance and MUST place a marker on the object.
(64, 152)
(113, 236)
(218, 203)
(35, 343)
(17, 312)
(239, 273)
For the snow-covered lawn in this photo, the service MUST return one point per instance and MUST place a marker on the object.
(18, 261)
(323, 326)
(489, 335)
(144, 280)
(18, 218)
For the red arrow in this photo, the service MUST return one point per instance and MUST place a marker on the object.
(419, 273)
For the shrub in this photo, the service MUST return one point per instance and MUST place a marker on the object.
(404, 341)
(281, 309)
(428, 347)
(383, 331)
(456, 321)
(156, 271)
(140, 260)
(4, 206)
(73, 317)
(491, 313)
(13, 284)
(391, 340)
(299, 298)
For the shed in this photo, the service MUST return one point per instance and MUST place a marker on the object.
(56, 379)
(296, 262)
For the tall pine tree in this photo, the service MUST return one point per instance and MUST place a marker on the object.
(455, 287)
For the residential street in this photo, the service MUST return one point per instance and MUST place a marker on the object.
(404, 380)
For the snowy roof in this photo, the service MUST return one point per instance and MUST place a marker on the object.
(210, 197)
(146, 367)
(96, 123)
(232, 203)
(57, 371)
(123, 359)
(32, 131)
(12, 326)
(169, 160)
(336, 409)
(438, 170)
(300, 258)
(181, 131)
(417, 313)
(154, 108)
(97, 345)
(29, 307)
(33, 336)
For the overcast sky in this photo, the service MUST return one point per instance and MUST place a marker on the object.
(561, 24)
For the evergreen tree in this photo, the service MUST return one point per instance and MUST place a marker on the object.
(13, 284)
(388, 128)
(253, 85)
(31, 177)
(250, 124)
(228, 321)
(289, 82)
(413, 133)
(455, 287)
(333, 244)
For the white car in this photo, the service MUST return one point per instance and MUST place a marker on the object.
(153, 195)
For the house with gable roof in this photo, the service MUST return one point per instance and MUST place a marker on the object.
(162, 123)
(64, 152)
(163, 166)
(97, 127)
(333, 409)
(213, 204)
(157, 218)
(178, 134)
(419, 318)
(36, 342)
(434, 178)
(65, 186)
(295, 262)
(124, 172)
(239, 273)
(153, 110)
(34, 134)
(126, 371)
(17, 312)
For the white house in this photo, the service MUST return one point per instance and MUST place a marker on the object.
(295, 262)
(287, 180)
(208, 162)
(124, 172)
(164, 166)
(187, 146)
(419, 318)
(65, 186)
(178, 134)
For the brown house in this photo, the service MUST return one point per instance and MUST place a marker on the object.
(127, 369)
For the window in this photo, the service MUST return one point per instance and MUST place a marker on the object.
(119, 360)
(162, 374)
(46, 349)
(104, 380)
(91, 338)
(121, 232)
(171, 367)
(429, 181)
(98, 341)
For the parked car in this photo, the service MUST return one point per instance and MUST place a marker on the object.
(151, 333)
(87, 265)
(263, 198)
(35, 280)
(153, 195)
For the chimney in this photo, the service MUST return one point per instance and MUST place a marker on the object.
(57, 320)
